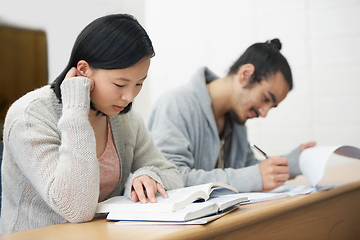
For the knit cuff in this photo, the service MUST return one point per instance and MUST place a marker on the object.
(75, 93)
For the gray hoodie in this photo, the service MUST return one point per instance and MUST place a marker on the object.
(184, 129)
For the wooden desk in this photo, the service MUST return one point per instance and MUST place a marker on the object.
(332, 214)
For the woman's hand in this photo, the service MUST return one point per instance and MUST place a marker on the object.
(145, 187)
(73, 72)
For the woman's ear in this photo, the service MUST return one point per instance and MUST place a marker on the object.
(84, 68)
(245, 72)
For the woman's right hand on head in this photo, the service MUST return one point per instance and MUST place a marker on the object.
(73, 72)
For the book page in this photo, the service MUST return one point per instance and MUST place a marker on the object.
(219, 189)
(226, 201)
(190, 212)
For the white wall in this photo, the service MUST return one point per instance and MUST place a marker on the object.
(320, 40)
(62, 21)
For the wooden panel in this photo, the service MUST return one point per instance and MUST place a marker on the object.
(23, 64)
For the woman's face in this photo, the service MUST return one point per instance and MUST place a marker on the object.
(114, 89)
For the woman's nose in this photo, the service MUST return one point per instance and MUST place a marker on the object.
(129, 95)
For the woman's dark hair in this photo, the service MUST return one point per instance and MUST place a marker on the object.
(267, 60)
(114, 41)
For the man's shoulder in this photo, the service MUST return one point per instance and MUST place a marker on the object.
(180, 95)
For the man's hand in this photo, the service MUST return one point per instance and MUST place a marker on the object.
(274, 172)
(145, 187)
(307, 145)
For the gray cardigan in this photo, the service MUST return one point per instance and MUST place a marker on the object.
(50, 172)
(184, 129)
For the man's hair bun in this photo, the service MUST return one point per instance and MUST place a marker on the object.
(275, 43)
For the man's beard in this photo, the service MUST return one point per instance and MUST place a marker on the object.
(236, 119)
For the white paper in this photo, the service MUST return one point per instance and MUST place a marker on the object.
(313, 160)
(300, 189)
(254, 197)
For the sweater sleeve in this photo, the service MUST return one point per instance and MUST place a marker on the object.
(60, 160)
(150, 161)
(293, 158)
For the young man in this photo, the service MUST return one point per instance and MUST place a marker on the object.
(201, 126)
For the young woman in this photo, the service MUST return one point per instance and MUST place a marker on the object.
(72, 144)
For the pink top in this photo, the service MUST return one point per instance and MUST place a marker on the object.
(109, 165)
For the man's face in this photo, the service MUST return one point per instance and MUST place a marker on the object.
(256, 100)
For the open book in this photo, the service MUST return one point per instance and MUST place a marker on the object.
(183, 204)
(196, 210)
(197, 221)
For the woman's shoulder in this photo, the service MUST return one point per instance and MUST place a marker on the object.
(39, 101)
(38, 94)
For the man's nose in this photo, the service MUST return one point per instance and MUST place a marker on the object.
(263, 110)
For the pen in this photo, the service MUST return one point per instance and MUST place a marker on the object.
(261, 151)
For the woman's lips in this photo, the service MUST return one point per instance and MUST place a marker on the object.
(118, 108)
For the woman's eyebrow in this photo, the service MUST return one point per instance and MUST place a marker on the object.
(128, 80)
